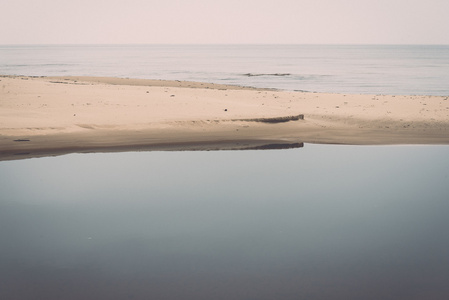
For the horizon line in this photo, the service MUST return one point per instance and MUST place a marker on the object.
(219, 44)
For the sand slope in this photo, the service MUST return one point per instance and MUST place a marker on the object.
(49, 116)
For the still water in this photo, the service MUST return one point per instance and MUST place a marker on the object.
(320, 222)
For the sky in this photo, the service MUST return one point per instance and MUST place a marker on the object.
(224, 22)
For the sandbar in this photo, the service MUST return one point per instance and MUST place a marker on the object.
(43, 116)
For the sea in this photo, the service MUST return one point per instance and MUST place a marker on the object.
(316, 222)
(364, 69)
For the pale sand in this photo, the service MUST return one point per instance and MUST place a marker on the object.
(42, 116)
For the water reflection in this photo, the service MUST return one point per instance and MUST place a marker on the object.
(325, 222)
(38, 149)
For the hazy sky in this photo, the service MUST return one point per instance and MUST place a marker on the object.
(224, 21)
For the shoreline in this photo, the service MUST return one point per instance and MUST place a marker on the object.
(45, 116)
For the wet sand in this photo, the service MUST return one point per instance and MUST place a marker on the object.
(42, 116)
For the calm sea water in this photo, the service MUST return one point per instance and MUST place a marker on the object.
(368, 69)
(320, 222)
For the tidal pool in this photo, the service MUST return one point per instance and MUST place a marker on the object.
(319, 222)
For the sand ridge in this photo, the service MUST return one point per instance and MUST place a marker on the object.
(88, 113)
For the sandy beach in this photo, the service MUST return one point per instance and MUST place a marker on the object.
(42, 116)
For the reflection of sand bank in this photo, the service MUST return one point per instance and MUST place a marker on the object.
(91, 146)
(77, 114)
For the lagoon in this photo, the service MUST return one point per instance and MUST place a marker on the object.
(318, 222)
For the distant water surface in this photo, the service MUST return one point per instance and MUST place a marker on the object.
(320, 222)
(367, 69)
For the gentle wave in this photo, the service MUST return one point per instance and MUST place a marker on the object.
(261, 74)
